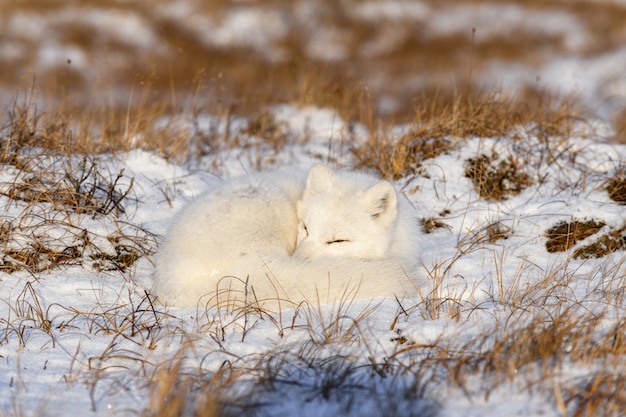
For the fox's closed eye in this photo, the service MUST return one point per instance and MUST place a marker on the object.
(330, 242)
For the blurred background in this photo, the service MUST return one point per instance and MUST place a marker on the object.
(370, 59)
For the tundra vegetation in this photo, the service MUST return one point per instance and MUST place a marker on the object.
(519, 187)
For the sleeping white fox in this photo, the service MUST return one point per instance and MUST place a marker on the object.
(276, 240)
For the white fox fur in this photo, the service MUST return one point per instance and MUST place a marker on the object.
(279, 239)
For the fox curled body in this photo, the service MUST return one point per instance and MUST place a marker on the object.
(278, 240)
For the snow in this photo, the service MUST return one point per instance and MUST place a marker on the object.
(598, 82)
(238, 27)
(52, 55)
(82, 339)
(122, 27)
(67, 346)
(391, 10)
(502, 20)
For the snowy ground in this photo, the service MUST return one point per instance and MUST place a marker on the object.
(83, 338)
(515, 321)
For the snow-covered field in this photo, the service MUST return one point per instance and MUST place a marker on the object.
(523, 237)
(84, 337)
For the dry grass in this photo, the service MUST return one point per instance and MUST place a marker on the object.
(440, 122)
(496, 179)
(611, 242)
(56, 187)
(265, 385)
(55, 191)
(178, 392)
(379, 60)
(94, 129)
(539, 350)
(619, 121)
(565, 235)
(538, 327)
(616, 187)
(53, 149)
(538, 331)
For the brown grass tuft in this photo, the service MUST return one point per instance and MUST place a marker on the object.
(619, 122)
(613, 241)
(564, 235)
(441, 121)
(602, 394)
(266, 127)
(80, 186)
(431, 224)
(497, 179)
(180, 392)
(397, 159)
(616, 187)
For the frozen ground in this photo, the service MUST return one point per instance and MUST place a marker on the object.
(79, 335)
(83, 338)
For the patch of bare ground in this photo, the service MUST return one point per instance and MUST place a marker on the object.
(611, 242)
(495, 178)
(431, 224)
(565, 235)
(616, 187)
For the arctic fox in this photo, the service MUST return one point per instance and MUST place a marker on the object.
(276, 240)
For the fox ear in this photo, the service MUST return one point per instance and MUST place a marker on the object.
(318, 180)
(382, 202)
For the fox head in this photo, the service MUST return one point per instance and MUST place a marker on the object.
(345, 214)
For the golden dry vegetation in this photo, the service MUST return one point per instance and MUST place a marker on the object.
(108, 91)
(367, 64)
